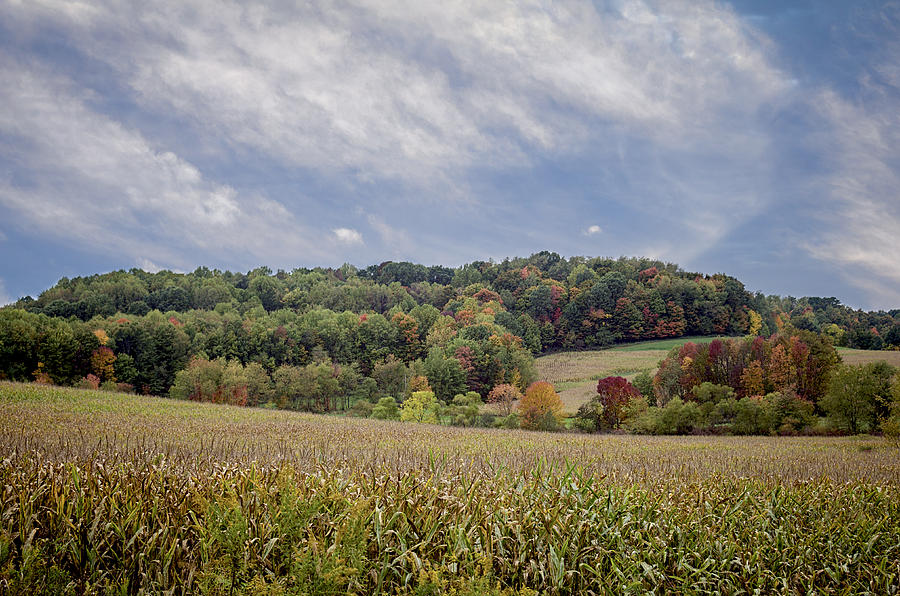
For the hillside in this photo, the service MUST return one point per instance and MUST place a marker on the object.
(323, 339)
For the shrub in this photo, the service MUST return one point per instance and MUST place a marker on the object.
(643, 382)
(852, 400)
(386, 409)
(752, 417)
(361, 409)
(590, 417)
(486, 420)
(463, 411)
(675, 418)
(712, 393)
(789, 413)
(511, 421)
(89, 382)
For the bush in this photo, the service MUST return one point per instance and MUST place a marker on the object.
(511, 421)
(464, 409)
(712, 393)
(505, 396)
(486, 420)
(590, 417)
(361, 409)
(643, 382)
(421, 406)
(675, 418)
(789, 413)
(89, 382)
(386, 409)
(855, 394)
(752, 417)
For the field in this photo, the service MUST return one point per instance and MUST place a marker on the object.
(851, 356)
(108, 493)
(575, 374)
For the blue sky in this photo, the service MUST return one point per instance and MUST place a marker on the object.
(760, 139)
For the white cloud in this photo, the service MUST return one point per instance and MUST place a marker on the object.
(104, 186)
(861, 196)
(674, 101)
(149, 266)
(421, 92)
(347, 236)
(594, 229)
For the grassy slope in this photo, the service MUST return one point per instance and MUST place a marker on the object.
(574, 374)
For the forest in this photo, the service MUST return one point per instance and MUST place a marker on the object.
(325, 339)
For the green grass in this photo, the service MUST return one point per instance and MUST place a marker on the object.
(107, 493)
(666, 344)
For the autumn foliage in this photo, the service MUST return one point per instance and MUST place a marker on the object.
(505, 396)
(614, 393)
(795, 361)
(540, 407)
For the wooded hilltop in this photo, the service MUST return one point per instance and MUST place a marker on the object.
(323, 339)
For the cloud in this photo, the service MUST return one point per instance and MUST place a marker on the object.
(674, 117)
(149, 266)
(103, 185)
(859, 209)
(397, 241)
(347, 236)
(422, 93)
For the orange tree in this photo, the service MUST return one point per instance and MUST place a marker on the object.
(540, 407)
(505, 396)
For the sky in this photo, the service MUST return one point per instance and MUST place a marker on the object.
(755, 138)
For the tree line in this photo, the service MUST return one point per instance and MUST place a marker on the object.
(792, 382)
(325, 338)
(550, 302)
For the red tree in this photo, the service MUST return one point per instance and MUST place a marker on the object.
(615, 393)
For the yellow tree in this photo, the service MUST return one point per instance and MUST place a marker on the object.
(103, 364)
(753, 379)
(540, 407)
(779, 373)
(421, 406)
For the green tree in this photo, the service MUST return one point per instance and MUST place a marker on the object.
(463, 411)
(386, 409)
(445, 376)
(851, 398)
(421, 406)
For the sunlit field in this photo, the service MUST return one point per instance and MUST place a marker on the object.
(575, 374)
(852, 356)
(111, 493)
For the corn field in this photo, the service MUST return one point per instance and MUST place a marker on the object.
(115, 494)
